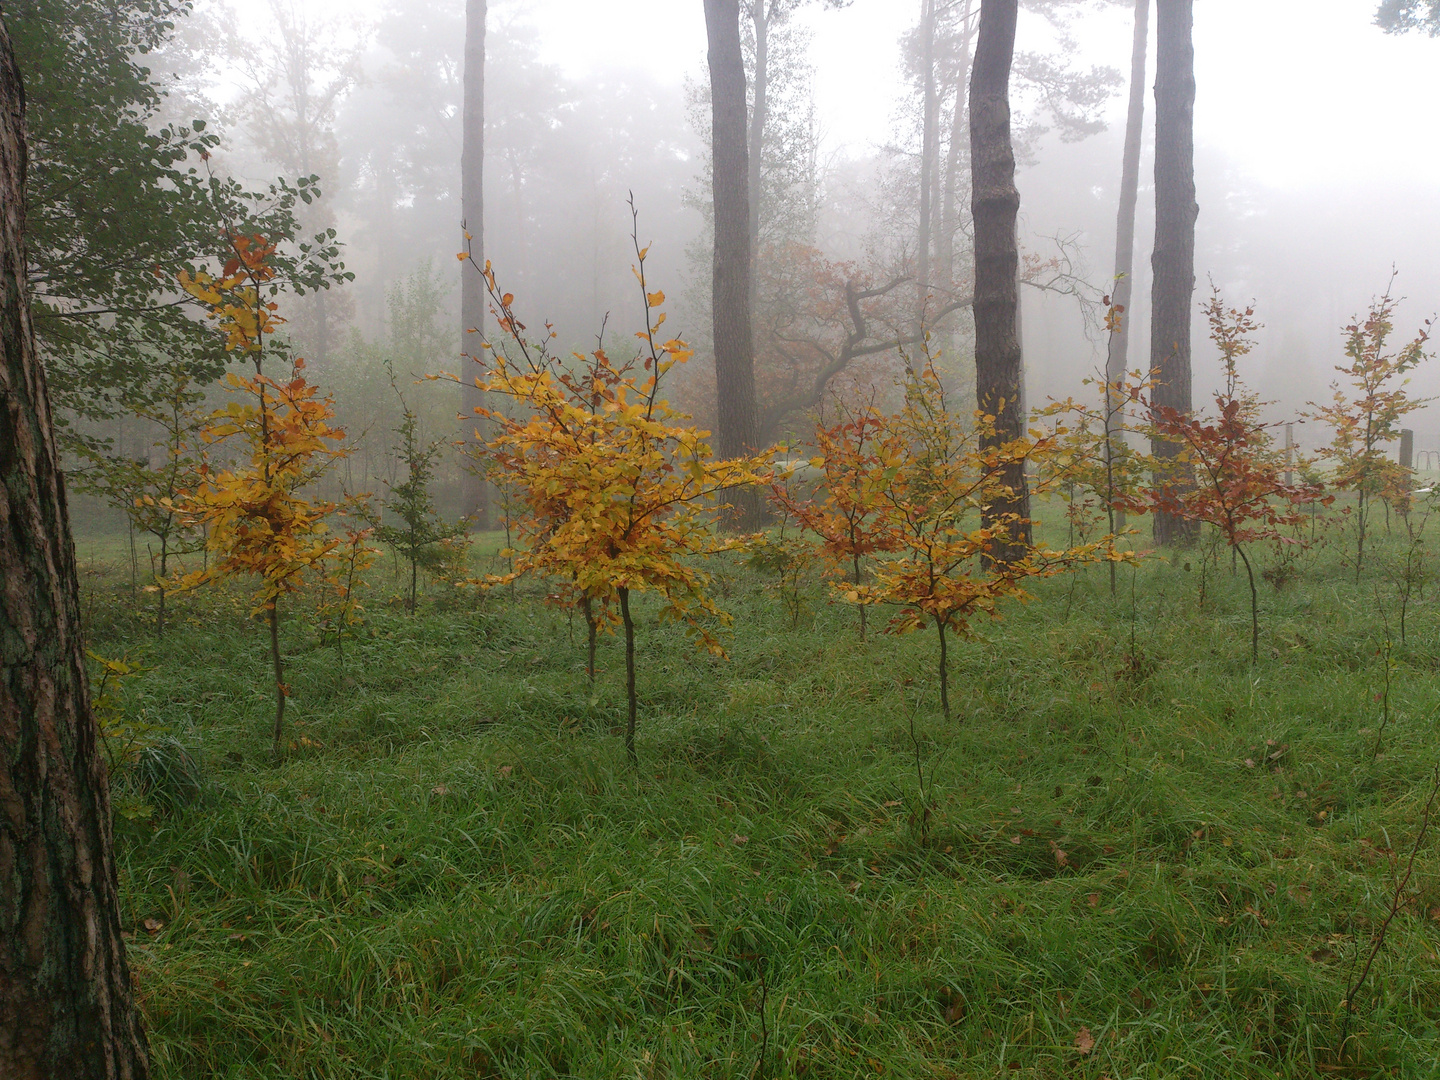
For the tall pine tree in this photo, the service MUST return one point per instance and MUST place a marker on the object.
(1173, 260)
(66, 1005)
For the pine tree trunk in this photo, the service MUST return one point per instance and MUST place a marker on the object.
(66, 1005)
(995, 205)
(473, 495)
(1173, 260)
(736, 413)
(1118, 360)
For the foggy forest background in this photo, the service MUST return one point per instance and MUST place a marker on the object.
(368, 98)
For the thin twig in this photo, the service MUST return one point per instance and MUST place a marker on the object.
(764, 1029)
(1378, 941)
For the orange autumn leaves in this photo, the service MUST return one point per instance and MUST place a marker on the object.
(259, 522)
(236, 300)
(618, 492)
(908, 492)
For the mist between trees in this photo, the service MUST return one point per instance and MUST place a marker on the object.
(308, 286)
(853, 250)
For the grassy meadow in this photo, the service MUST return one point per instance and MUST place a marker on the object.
(1131, 854)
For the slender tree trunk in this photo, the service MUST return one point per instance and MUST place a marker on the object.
(944, 674)
(164, 571)
(322, 329)
(945, 242)
(995, 205)
(759, 117)
(629, 672)
(1362, 512)
(736, 413)
(414, 579)
(279, 664)
(134, 558)
(1118, 360)
(1254, 607)
(591, 628)
(66, 1005)
(473, 494)
(929, 159)
(1173, 261)
(855, 564)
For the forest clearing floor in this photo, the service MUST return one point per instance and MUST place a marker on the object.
(1133, 853)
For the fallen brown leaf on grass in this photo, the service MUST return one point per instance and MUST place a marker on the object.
(1084, 1041)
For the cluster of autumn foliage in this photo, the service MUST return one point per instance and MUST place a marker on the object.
(617, 493)
(258, 520)
(610, 492)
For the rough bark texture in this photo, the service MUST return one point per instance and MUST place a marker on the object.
(995, 204)
(66, 1009)
(474, 500)
(1173, 261)
(734, 350)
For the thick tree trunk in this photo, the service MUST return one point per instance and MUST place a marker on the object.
(66, 1008)
(995, 204)
(1117, 361)
(1173, 261)
(474, 501)
(736, 413)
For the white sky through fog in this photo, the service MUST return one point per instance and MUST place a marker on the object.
(1308, 120)
(1295, 92)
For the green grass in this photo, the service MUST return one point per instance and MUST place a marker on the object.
(455, 873)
